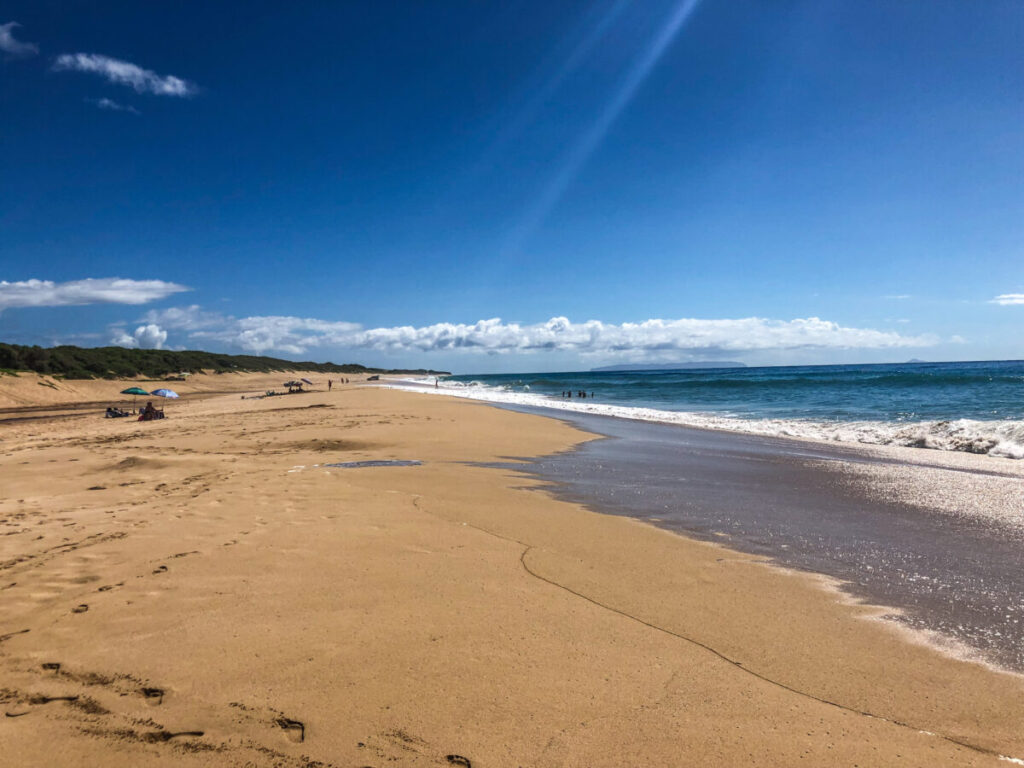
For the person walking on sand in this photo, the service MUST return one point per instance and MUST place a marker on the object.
(329, 384)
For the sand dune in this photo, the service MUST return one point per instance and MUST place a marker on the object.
(26, 390)
(202, 591)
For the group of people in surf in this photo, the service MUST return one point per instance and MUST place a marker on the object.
(579, 393)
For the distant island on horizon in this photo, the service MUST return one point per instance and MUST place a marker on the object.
(670, 366)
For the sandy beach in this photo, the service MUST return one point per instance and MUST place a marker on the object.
(204, 590)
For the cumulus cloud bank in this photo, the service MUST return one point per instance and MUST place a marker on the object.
(125, 73)
(107, 290)
(1009, 298)
(15, 49)
(144, 337)
(649, 339)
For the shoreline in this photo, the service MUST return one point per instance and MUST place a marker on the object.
(886, 566)
(866, 434)
(444, 602)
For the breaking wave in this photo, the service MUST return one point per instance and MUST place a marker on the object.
(1003, 438)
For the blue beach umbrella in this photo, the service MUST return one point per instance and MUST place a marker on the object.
(308, 382)
(170, 393)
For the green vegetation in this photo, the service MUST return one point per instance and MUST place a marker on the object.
(119, 363)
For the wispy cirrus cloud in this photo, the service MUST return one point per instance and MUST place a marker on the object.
(106, 290)
(125, 73)
(15, 49)
(649, 339)
(1007, 299)
(113, 106)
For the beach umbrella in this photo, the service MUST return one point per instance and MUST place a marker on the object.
(165, 393)
(134, 392)
(308, 382)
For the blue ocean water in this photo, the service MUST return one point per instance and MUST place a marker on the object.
(969, 406)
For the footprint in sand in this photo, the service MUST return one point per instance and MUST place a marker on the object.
(156, 737)
(459, 760)
(51, 666)
(80, 608)
(154, 696)
(294, 730)
(34, 700)
(161, 569)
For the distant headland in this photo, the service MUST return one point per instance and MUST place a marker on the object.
(670, 366)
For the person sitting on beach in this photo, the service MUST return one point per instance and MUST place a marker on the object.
(149, 413)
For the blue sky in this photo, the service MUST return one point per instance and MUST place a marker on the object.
(516, 186)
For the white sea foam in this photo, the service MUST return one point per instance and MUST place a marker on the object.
(996, 438)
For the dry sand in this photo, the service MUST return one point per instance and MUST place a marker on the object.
(197, 591)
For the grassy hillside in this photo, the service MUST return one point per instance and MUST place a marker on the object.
(117, 362)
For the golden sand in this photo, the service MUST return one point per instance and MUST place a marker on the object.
(202, 591)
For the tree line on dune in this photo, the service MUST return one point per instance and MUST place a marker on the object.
(72, 362)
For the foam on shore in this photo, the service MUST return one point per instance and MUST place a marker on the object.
(1004, 438)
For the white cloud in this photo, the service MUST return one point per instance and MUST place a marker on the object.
(144, 337)
(125, 73)
(191, 318)
(1008, 298)
(650, 339)
(899, 296)
(113, 106)
(107, 290)
(15, 49)
(293, 335)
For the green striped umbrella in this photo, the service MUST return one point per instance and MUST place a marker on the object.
(134, 392)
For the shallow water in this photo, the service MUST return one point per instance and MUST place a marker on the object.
(956, 574)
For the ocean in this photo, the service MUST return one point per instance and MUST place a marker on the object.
(976, 407)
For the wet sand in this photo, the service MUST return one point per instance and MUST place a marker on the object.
(940, 538)
(203, 591)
